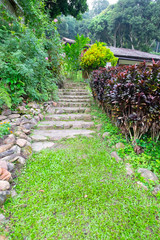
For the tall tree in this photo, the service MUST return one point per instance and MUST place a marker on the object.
(72, 7)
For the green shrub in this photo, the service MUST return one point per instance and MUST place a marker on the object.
(4, 129)
(29, 65)
(97, 56)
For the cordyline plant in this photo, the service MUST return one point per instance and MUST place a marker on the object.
(131, 97)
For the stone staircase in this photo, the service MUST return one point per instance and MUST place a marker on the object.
(67, 120)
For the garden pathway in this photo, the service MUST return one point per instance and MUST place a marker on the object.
(68, 119)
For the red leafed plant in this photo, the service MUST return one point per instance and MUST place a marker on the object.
(130, 95)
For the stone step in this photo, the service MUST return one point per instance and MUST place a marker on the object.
(61, 110)
(55, 135)
(38, 146)
(73, 93)
(66, 117)
(74, 97)
(74, 100)
(64, 125)
(73, 104)
(75, 85)
(73, 90)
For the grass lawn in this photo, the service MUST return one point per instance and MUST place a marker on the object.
(79, 192)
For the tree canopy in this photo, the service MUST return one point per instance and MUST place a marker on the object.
(73, 7)
(128, 23)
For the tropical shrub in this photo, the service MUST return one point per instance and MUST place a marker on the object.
(29, 62)
(4, 97)
(73, 52)
(97, 56)
(131, 97)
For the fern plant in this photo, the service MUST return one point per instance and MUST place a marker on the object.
(4, 98)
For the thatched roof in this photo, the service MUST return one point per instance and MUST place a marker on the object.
(134, 54)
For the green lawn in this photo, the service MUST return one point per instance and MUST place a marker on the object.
(79, 192)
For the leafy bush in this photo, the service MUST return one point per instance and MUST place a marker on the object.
(131, 97)
(29, 65)
(73, 52)
(97, 56)
(4, 97)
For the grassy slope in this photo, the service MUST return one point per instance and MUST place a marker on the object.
(80, 193)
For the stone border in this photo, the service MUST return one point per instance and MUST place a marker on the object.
(16, 147)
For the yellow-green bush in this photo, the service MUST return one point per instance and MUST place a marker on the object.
(97, 56)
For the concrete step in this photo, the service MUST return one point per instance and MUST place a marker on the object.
(66, 117)
(64, 125)
(73, 93)
(73, 104)
(55, 135)
(61, 110)
(74, 100)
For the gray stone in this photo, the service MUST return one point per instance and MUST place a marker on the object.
(40, 116)
(6, 112)
(5, 147)
(33, 122)
(27, 126)
(18, 121)
(116, 157)
(4, 185)
(2, 218)
(2, 117)
(99, 126)
(120, 145)
(147, 174)
(33, 105)
(21, 134)
(14, 116)
(25, 121)
(26, 131)
(156, 190)
(38, 146)
(28, 116)
(140, 184)
(10, 166)
(106, 134)
(13, 193)
(26, 151)
(3, 164)
(22, 109)
(16, 149)
(37, 118)
(21, 142)
(21, 160)
(54, 135)
(3, 196)
(10, 158)
(10, 139)
(6, 153)
(129, 169)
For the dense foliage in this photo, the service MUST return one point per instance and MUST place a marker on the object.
(72, 7)
(97, 56)
(131, 97)
(128, 23)
(73, 52)
(29, 57)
